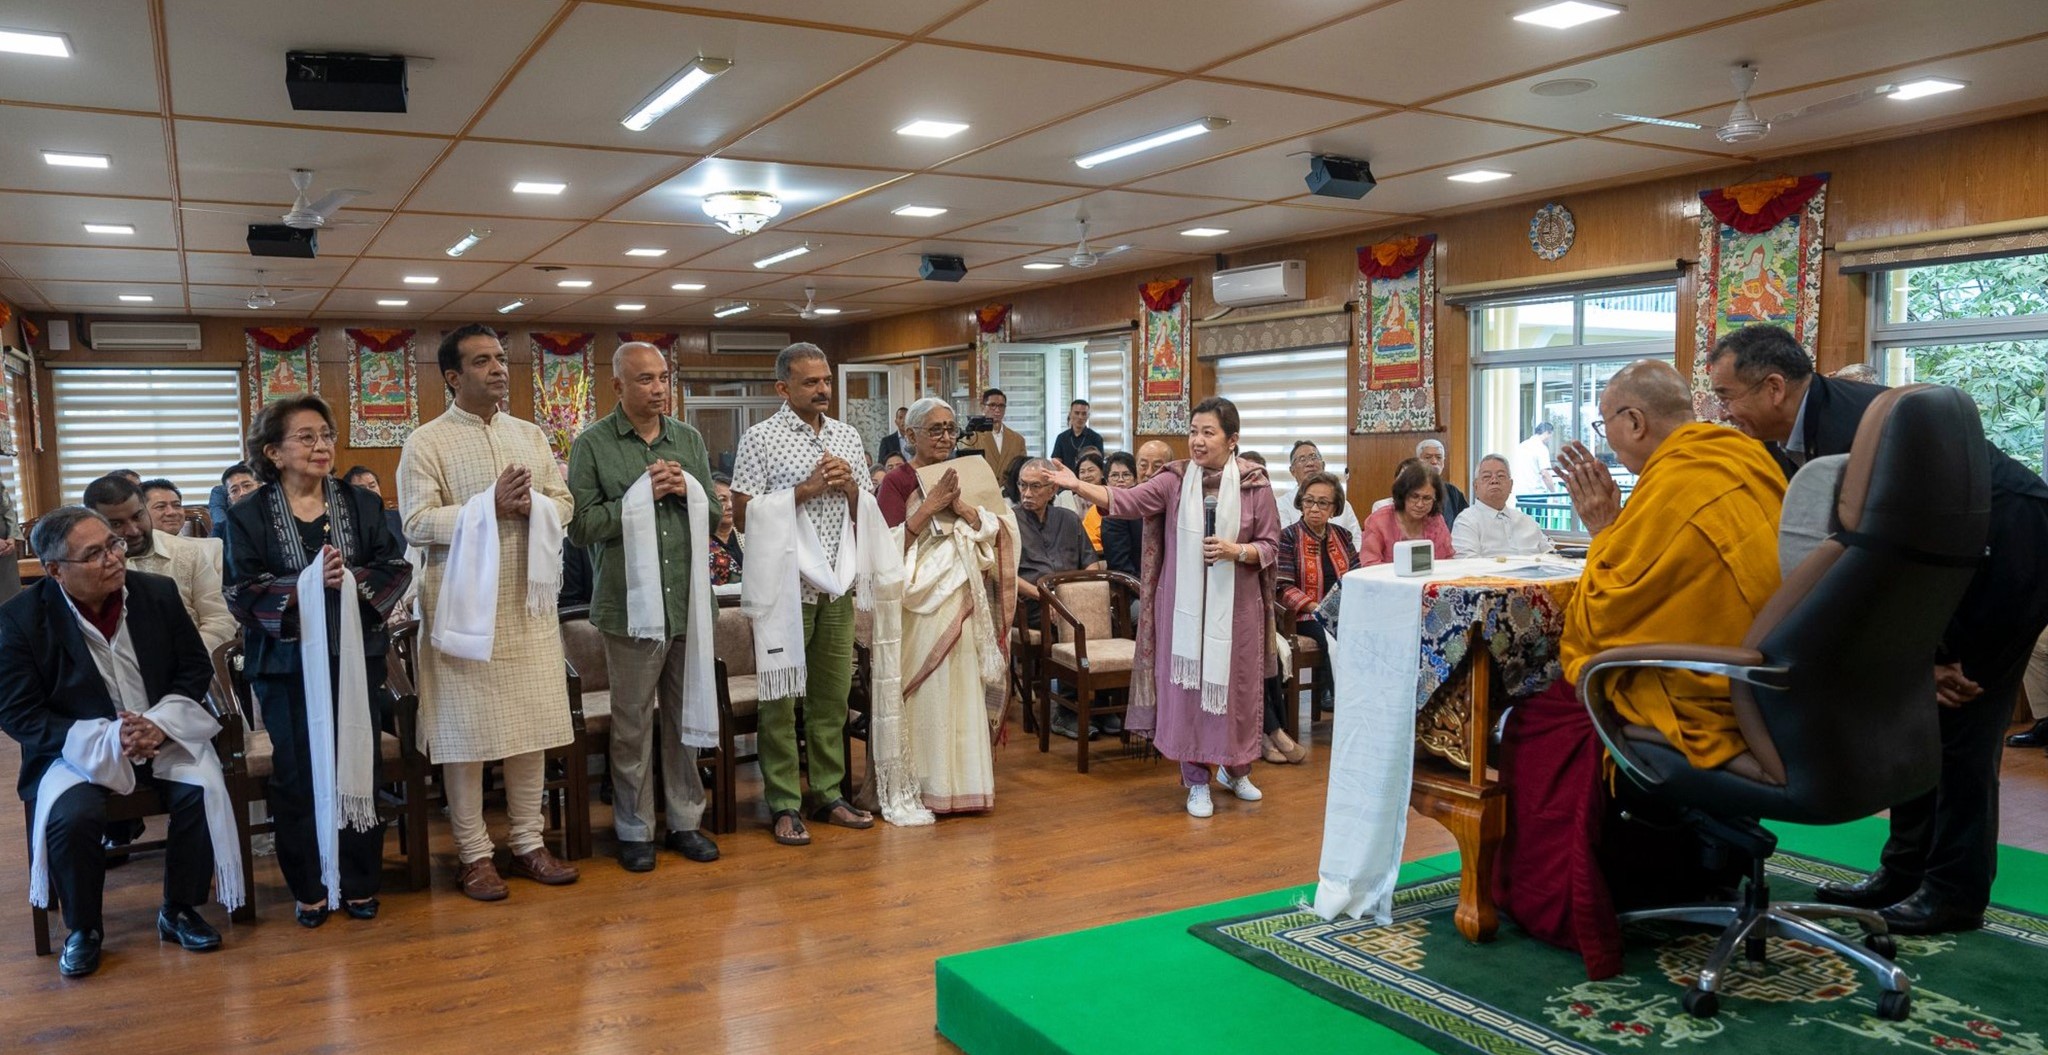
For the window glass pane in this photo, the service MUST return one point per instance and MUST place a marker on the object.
(2004, 377)
(1975, 289)
(1634, 315)
(1530, 324)
(183, 425)
(1282, 397)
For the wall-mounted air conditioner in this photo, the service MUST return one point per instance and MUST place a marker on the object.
(1244, 287)
(144, 336)
(748, 342)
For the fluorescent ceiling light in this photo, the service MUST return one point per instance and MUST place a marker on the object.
(393, 303)
(931, 129)
(1478, 176)
(574, 283)
(538, 187)
(136, 298)
(421, 280)
(1205, 232)
(1661, 122)
(919, 211)
(1156, 139)
(646, 251)
(787, 254)
(1569, 13)
(731, 310)
(824, 311)
(1923, 88)
(629, 307)
(507, 309)
(109, 228)
(687, 287)
(30, 42)
(1043, 265)
(468, 242)
(685, 83)
(77, 161)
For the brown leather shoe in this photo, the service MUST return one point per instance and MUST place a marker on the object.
(479, 880)
(542, 867)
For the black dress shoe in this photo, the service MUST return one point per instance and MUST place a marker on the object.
(1877, 890)
(188, 928)
(694, 845)
(312, 917)
(1926, 913)
(636, 857)
(81, 954)
(2035, 736)
(364, 909)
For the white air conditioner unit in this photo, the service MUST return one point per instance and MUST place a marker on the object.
(1244, 287)
(145, 336)
(748, 342)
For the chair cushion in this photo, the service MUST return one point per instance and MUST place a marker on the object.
(734, 641)
(583, 646)
(1088, 602)
(1109, 655)
(256, 751)
(597, 713)
(745, 695)
(1022, 636)
(1809, 511)
(1743, 765)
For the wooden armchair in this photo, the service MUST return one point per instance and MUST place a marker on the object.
(1090, 642)
(1306, 655)
(1027, 678)
(739, 708)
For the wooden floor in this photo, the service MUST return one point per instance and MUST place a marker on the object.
(770, 949)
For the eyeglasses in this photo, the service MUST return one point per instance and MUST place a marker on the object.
(1042, 485)
(1422, 498)
(309, 438)
(1318, 503)
(942, 432)
(1600, 427)
(98, 555)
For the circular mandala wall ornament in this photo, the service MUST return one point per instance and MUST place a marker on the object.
(1551, 231)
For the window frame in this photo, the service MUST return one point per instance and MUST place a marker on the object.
(1336, 448)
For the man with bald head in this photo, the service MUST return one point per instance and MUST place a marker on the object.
(1152, 455)
(640, 439)
(1431, 453)
(1692, 557)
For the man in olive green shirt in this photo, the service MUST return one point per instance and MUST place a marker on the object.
(639, 438)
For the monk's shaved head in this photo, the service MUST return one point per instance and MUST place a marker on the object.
(1653, 387)
(1151, 455)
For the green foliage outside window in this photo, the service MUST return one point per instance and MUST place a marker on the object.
(2006, 378)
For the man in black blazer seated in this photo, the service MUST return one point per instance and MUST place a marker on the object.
(1936, 870)
(56, 702)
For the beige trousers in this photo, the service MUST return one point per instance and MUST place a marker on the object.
(524, 776)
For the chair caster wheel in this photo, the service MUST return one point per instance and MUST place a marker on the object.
(1894, 1006)
(1882, 944)
(1702, 1004)
(1753, 949)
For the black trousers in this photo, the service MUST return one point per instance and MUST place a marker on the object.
(78, 863)
(283, 699)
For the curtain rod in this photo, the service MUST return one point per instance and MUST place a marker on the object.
(1276, 316)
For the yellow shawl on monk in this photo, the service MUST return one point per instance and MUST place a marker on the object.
(1692, 558)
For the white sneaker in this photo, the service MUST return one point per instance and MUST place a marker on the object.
(1242, 787)
(1199, 803)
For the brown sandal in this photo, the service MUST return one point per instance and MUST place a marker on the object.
(798, 834)
(829, 814)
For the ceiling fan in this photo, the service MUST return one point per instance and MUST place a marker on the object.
(1743, 125)
(261, 299)
(1083, 257)
(305, 214)
(810, 311)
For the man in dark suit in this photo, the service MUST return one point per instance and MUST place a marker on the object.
(897, 442)
(1937, 868)
(78, 710)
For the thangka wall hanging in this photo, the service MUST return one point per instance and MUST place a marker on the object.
(383, 407)
(1760, 257)
(1396, 336)
(1163, 338)
(282, 361)
(991, 327)
(564, 402)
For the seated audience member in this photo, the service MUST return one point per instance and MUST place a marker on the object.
(1093, 470)
(1152, 456)
(1050, 539)
(1306, 460)
(875, 475)
(1121, 541)
(1692, 557)
(1314, 555)
(1493, 526)
(237, 482)
(166, 506)
(129, 475)
(1431, 453)
(91, 728)
(1863, 372)
(728, 558)
(366, 478)
(1414, 513)
(189, 563)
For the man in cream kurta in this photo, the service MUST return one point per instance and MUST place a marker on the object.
(516, 705)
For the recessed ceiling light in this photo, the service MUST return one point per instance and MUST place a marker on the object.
(574, 283)
(109, 228)
(629, 307)
(646, 251)
(421, 280)
(685, 83)
(1205, 232)
(538, 187)
(687, 287)
(136, 298)
(76, 161)
(1043, 265)
(1569, 13)
(730, 310)
(1563, 86)
(824, 311)
(468, 242)
(393, 302)
(787, 254)
(919, 211)
(30, 42)
(507, 309)
(1478, 176)
(931, 129)
(1923, 88)
(1156, 139)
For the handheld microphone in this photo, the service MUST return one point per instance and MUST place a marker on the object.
(1208, 516)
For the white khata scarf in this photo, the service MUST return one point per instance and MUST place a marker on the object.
(466, 615)
(340, 739)
(647, 612)
(785, 550)
(1204, 599)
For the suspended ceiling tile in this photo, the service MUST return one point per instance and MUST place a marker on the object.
(429, 236)
(902, 262)
(895, 16)
(715, 283)
(112, 64)
(455, 275)
(1534, 171)
(55, 219)
(479, 177)
(364, 302)
(239, 269)
(38, 263)
(966, 200)
(486, 305)
(248, 163)
(606, 243)
(825, 251)
(135, 146)
(1391, 145)
(1167, 34)
(522, 278)
(798, 187)
(233, 299)
(225, 228)
(1108, 213)
(1256, 225)
(96, 297)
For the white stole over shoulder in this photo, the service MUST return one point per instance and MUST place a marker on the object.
(466, 615)
(340, 739)
(647, 609)
(785, 549)
(1205, 599)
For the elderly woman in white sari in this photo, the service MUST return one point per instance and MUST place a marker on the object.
(936, 756)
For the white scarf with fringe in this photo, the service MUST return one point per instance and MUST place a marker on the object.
(466, 614)
(1205, 598)
(341, 741)
(785, 552)
(647, 610)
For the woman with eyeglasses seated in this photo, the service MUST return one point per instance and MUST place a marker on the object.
(1092, 470)
(298, 517)
(1415, 513)
(1315, 552)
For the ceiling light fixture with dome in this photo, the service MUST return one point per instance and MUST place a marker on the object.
(742, 212)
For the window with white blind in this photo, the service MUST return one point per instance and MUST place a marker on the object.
(11, 449)
(1282, 397)
(184, 425)
(1107, 360)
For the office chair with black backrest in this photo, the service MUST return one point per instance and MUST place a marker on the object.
(1833, 686)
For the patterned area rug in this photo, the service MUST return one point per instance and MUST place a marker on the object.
(1981, 992)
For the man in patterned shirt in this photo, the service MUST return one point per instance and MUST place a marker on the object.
(825, 462)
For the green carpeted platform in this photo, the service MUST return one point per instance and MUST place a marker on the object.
(1148, 985)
